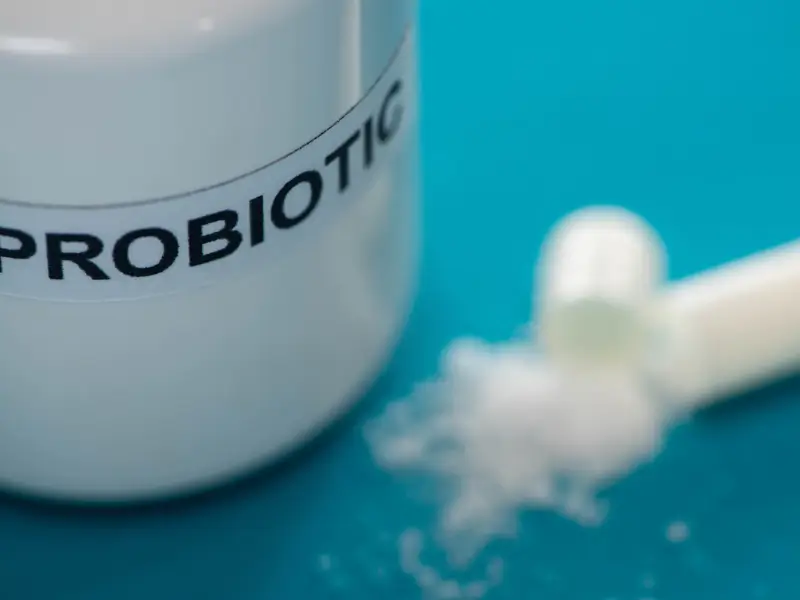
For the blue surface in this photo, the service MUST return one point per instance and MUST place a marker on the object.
(686, 111)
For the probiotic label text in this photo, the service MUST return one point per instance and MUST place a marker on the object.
(146, 248)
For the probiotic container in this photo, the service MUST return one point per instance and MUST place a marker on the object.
(207, 232)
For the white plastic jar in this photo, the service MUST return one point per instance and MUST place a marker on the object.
(208, 243)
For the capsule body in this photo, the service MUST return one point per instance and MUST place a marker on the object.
(731, 328)
(208, 241)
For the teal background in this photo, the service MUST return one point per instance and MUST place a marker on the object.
(685, 111)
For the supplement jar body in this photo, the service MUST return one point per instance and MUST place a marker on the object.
(207, 232)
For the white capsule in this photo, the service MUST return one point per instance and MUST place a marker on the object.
(732, 328)
(597, 276)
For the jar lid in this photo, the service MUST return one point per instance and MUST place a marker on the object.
(113, 29)
(122, 102)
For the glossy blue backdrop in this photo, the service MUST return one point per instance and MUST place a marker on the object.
(687, 111)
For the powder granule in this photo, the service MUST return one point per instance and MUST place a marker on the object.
(505, 430)
(432, 583)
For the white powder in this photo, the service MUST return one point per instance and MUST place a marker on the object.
(325, 562)
(431, 582)
(677, 532)
(648, 582)
(504, 430)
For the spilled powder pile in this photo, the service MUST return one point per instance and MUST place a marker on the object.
(503, 430)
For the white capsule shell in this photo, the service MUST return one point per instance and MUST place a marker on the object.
(732, 328)
(599, 270)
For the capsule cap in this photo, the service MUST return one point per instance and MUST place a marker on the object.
(598, 272)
